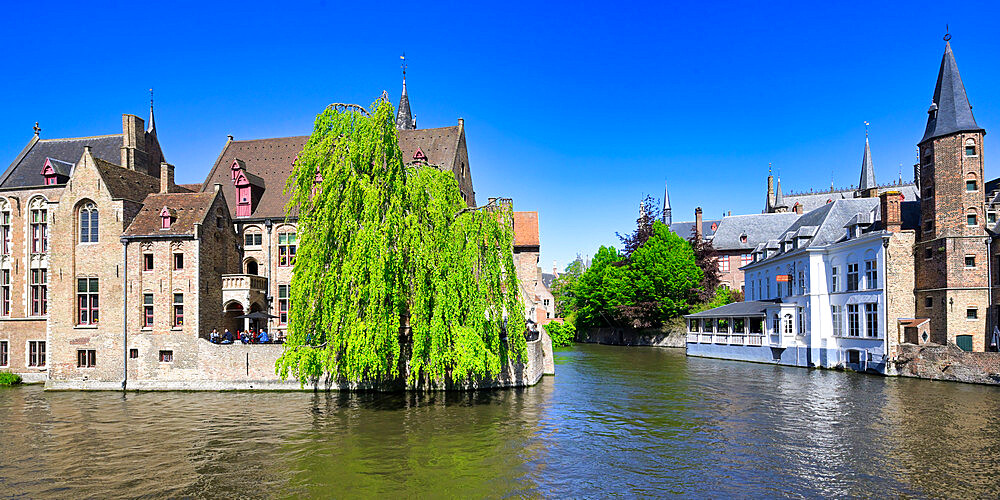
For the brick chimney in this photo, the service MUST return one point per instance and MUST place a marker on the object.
(889, 205)
(697, 224)
(167, 178)
(133, 142)
(797, 208)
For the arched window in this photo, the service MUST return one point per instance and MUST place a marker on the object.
(970, 147)
(970, 182)
(251, 266)
(788, 324)
(972, 218)
(38, 225)
(89, 223)
(4, 227)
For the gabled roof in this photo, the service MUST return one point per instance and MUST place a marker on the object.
(188, 208)
(124, 183)
(270, 161)
(812, 201)
(950, 111)
(526, 229)
(59, 167)
(758, 228)
(26, 169)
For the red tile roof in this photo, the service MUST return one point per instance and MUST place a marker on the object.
(189, 209)
(526, 229)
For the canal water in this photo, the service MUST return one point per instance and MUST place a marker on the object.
(615, 421)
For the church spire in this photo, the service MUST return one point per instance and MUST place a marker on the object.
(151, 126)
(404, 119)
(667, 217)
(867, 181)
(779, 199)
(950, 111)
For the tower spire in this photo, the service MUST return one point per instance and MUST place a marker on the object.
(779, 199)
(151, 127)
(867, 169)
(950, 111)
(404, 118)
(667, 217)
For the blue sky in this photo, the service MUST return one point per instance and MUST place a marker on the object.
(576, 110)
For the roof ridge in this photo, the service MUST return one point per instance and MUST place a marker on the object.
(54, 139)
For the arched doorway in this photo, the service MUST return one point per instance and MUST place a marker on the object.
(251, 267)
(230, 320)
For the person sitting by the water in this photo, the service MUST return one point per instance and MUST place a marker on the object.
(244, 338)
(214, 336)
(263, 337)
(227, 337)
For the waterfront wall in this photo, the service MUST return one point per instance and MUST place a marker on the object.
(948, 362)
(666, 336)
(202, 366)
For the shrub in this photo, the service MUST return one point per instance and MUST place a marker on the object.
(562, 334)
(8, 378)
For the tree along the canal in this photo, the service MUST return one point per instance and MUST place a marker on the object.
(657, 277)
(395, 279)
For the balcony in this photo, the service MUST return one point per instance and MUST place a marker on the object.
(246, 290)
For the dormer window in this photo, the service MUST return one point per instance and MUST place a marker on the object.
(166, 218)
(50, 174)
(235, 168)
(419, 155)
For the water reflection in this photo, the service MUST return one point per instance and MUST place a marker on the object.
(633, 421)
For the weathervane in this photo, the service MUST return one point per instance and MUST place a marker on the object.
(947, 33)
(866, 129)
(403, 65)
(150, 98)
(37, 129)
(768, 168)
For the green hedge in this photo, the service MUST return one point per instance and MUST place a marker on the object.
(8, 378)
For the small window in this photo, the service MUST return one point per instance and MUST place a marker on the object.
(86, 358)
(147, 310)
(36, 353)
(928, 302)
(970, 185)
(743, 238)
(970, 261)
(929, 225)
(971, 219)
(178, 309)
(166, 356)
(133, 354)
(178, 261)
(252, 239)
(4, 353)
(928, 253)
(147, 262)
(991, 217)
(972, 313)
(970, 148)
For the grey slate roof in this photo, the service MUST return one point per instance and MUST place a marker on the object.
(867, 169)
(779, 199)
(404, 119)
(953, 112)
(61, 167)
(758, 228)
(812, 201)
(26, 169)
(736, 309)
(686, 229)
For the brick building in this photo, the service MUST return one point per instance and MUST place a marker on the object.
(111, 273)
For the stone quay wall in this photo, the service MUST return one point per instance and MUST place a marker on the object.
(948, 362)
(252, 367)
(666, 336)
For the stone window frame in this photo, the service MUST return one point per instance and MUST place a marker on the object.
(253, 230)
(38, 292)
(5, 293)
(972, 312)
(290, 248)
(5, 227)
(148, 310)
(37, 232)
(148, 262)
(284, 303)
(177, 320)
(42, 354)
(723, 263)
(178, 263)
(972, 217)
(971, 143)
(974, 179)
(86, 358)
(88, 301)
(89, 233)
(967, 264)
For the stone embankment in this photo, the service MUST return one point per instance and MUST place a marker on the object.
(665, 336)
(938, 362)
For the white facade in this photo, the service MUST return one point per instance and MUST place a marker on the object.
(830, 313)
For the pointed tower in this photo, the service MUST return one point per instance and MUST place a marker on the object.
(769, 204)
(667, 217)
(779, 199)
(151, 126)
(866, 186)
(404, 118)
(951, 261)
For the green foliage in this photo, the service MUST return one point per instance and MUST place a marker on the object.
(562, 334)
(394, 276)
(659, 280)
(8, 378)
(563, 287)
(721, 297)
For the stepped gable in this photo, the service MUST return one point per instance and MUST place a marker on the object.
(758, 228)
(126, 184)
(526, 229)
(188, 208)
(270, 161)
(26, 169)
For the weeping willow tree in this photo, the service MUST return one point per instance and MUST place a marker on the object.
(396, 279)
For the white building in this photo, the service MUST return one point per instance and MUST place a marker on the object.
(816, 296)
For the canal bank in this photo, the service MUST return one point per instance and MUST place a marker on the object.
(664, 423)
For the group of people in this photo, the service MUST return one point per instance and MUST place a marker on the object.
(251, 336)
